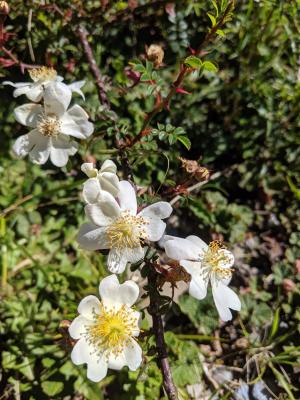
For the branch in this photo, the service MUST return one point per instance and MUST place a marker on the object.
(83, 36)
(197, 185)
(184, 70)
(158, 330)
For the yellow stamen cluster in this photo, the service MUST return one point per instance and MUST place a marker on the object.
(113, 329)
(127, 231)
(49, 126)
(42, 74)
(214, 259)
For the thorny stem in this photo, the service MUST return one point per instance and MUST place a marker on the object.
(83, 36)
(184, 70)
(16, 61)
(158, 330)
(3, 253)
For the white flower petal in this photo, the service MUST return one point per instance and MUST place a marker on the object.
(89, 169)
(127, 197)
(133, 355)
(113, 293)
(88, 306)
(109, 205)
(75, 123)
(116, 362)
(181, 249)
(76, 86)
(16, 84)
(81, 352)
(40, 153)
(225, 298)
(135, 255)
(198, 242)
(28, 114)
(198, 285)
(24, 144)
(97, 368)
(61, 149)
(34, 92)
(91, 237)
(57, 98)
(109, 166)
(78, 327)
(161, 209)
(91, 190)
(155, 228)
(110, 182)
(116, 261)
(95, 213)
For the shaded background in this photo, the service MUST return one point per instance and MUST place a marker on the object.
(242, 121)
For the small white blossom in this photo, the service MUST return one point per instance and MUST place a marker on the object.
(106, 331)
(104, 179)
(42, 77)
(206, 263)
(116, 225)
(52, 126)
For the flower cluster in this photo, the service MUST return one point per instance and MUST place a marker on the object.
(106, 331)
(53, 124)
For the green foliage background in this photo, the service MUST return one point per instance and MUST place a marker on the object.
(242, 121)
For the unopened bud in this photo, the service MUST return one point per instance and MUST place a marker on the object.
(4, 8)
(155, 54)
(288, 285)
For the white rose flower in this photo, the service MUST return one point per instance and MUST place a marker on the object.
(42, 77)
(52, 126)
(206, 263)
(106, 330)
(104, 179)
(117, 226)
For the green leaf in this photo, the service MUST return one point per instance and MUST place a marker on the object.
(202, 314)
(209, 66)
(149, 67)
(193, 62)
(275, 323)
(52, 388)
(216, 7)
(145, 77)
(139, 68)
(282, 381)
(293, 188)
(212, 18)
(185, 141)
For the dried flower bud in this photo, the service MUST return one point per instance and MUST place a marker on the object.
(155, 54)
(192, 167)
(4, 8)
(64, 325)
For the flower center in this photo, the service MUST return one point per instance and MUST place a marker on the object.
(42, 74)
(127, 231)
(215, 259)
(49, 126)
(112, 330)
